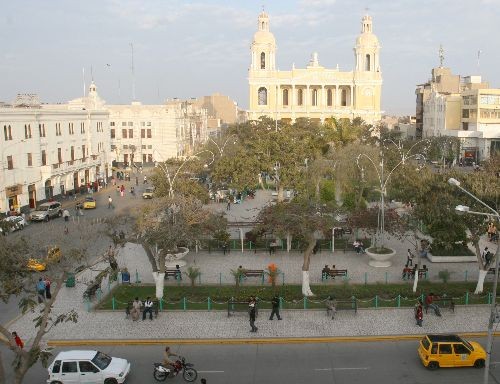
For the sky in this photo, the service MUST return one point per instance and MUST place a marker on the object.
(194, 48)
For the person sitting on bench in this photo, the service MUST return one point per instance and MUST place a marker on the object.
(429, 303)
(325, 271)
(358, 246)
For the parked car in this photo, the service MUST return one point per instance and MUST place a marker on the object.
(92, 366)
(39, 265)
(47, 211)
(13, 223)
(437, 351)
(89, 203)
(148, 193)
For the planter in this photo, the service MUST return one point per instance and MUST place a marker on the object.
(451, 259)
(380, 260)
(174, 259)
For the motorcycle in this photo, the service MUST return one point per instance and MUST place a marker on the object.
(161, 373)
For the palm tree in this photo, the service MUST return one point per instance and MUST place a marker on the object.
(193, 273)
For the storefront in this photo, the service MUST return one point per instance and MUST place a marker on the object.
(470, 155)
(13, 194)
(32, 195)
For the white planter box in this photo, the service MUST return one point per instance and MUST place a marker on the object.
(451, 259)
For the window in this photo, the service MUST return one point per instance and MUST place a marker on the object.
(84, 154)
(343, 98)
(465, 113)
(314, 97)
(72, 151)
(87, 366)
(262, 96)
(300, 97)
(329, 98)
(44, 157)
(285, 97)
(69, 367)
(124, 133)
(445, 349)
(41, 130)
(149, 134)
(130, 133)
(460, 349)
(143, 133)
(71, 129)
(262, 60)
(30, 160)
(143, 123)
(6, 133)
(130, 123)
(82, 127)
(56, 367)
(124, 123)
(58, 129)
(112, 131)
(10, 162)
(27, 131)
(111, 123)
(367, 63)
(59, 155)
(148, 123)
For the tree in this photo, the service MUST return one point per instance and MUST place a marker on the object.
(301, 218)
(193, 273)
(169, 223)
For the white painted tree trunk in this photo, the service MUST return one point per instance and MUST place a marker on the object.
(306, 289)
(480, 281)
(159, 279)
(415, 282)
(288, 242)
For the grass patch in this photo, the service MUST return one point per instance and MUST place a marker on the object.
(175, 297)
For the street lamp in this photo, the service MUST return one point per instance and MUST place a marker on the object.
(465, 209)
(221, 148)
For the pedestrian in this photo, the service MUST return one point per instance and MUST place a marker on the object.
(110, 202)
(224, 247)
(145, 179)
(409, 258)
(66, 215)
(148, 307)
(419, 313)
(252, 314)
(275, 302)
(228, 206)
(40, 288)
(483, 254)
(47, 282)
(117, 189)
(17, 340)
(203, 381)
(331, 305)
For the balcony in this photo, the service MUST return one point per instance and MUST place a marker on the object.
(71, 166)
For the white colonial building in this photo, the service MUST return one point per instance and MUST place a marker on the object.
(48, 150)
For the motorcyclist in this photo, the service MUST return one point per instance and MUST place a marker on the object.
(167, 363)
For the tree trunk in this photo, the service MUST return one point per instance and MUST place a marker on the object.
(2, 370)
(306, 289)
(288, 242)
(159, 278)
(480, 281)
(415, 282)
(280, 193)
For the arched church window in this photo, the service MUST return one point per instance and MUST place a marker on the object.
(285, 97)
(314, 97)
(367, 63)
(343, 98)
(262, 96)
(300, 97)
(262, 60)
(329, 98)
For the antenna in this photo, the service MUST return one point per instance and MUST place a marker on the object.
(133, 74)
(91, 73)
(83, 78)
(441, 55)
(478, 58)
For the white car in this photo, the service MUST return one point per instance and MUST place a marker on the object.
(15, 223)
(89, 367)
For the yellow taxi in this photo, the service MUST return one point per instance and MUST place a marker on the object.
(437, 351)
(89, 203)
(53, 256)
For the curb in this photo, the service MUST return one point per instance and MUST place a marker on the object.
(250, 341)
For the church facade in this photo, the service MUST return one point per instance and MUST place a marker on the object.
(314, 92)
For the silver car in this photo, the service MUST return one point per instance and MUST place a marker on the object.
(47, 211)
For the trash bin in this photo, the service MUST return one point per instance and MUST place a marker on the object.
(70, 281)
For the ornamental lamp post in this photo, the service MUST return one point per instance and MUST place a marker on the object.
(493, 314)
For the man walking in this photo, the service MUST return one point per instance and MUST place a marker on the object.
(275, 302)
(40, 288)
(252, 314)
(110, 202)
(228, 206)
(148, 307)
(419, 313)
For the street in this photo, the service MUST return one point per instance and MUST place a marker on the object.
(391, 362)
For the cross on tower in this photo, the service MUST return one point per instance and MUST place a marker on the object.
(441, 55)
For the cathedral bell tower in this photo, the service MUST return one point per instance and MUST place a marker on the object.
(366, 50)
(263, 46)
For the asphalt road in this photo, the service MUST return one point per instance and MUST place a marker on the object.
(337, 363)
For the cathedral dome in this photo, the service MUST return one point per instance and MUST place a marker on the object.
(367, 37)
(264, 37)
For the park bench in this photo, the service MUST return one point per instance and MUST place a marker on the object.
(253, 272)
(175, 273)
(351, 304)
(334, 273)
(91, 290)
(442, 302)
(239, 306)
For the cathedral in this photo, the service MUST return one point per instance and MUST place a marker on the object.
(315, 92)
